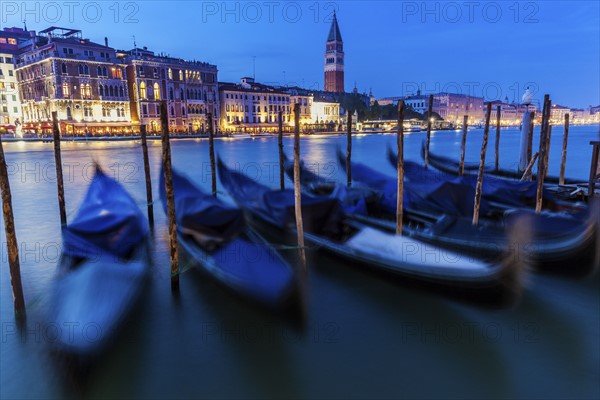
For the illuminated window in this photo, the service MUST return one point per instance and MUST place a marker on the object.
(180, 75)
(12, 41)
(65, 89)
(143, 90)
(170, 73)
(156, 90)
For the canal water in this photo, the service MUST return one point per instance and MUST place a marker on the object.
(367, 336)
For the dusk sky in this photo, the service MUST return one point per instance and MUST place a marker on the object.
(490, 49)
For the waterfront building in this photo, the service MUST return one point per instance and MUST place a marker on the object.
(334, 59)
(80, 80)
(11, 41)
(326, 112)
(557, 113)
(189, 87)
(450, 106)
(249, 106)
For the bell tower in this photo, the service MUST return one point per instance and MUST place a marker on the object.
(334, 59)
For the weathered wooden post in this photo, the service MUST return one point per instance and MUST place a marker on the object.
(400, 167)
(526, 131)
(594, 168)
(497, 147)
(463, 146)
(59, 174)
(211, 149)
(479, 185)
(280, 145)
(428, 139)
(349, 149)
(548, 138)
(541, 174)
(147, 175)
(527, 174)
(563, 160)
(530, 136)
(168, 171)
(11, 239)
(297, 190)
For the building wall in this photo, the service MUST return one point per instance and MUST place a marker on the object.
(189, 88)
(10, 104)
(247, 109)
(82, 82)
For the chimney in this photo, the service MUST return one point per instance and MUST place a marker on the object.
(105, 41)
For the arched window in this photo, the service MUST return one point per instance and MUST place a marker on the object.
(180, 75)
(63, 68)
(111, 91)
(170, 93)
(172, 111)
(101, 90)
(156, 90)
(80, 69)
(143, 90)
(104, 72)
(121, 91)
(69, 115)
(183, 111)
(99, 69)
(65, 89)
(181, 94)
(170, 73)
(86, 69)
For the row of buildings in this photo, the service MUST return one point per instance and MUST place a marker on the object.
(452, 107)
(97, 89)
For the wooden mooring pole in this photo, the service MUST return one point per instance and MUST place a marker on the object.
(12, 245)
(400, 167)
(527, 174)
(280, 145)
(463, 146)
(168, 171)
(297, 190)
(530, 136)
(59, 174)
(479, 186)
(497, 147)
(594, 168)
(349, 149)
(428, 139)
(541, 174)
(563, 160)
(211, 149)
(147, 175)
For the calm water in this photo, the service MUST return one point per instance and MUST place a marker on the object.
(366, 336)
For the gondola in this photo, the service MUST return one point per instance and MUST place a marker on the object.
(451, 166)
(102, 269)
(218, 240)
(560, 243)
(327, 227)
(497, 193)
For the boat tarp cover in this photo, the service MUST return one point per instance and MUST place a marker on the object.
(201, 213)
(353, 200)
(320, 215)
(513, 193)
(108, 220)
(430, 191)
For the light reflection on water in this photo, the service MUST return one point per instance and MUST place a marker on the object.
(367, 335)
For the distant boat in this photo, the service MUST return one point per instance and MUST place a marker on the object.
(102, 269)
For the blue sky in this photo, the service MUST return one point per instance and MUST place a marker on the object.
(486, 48)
